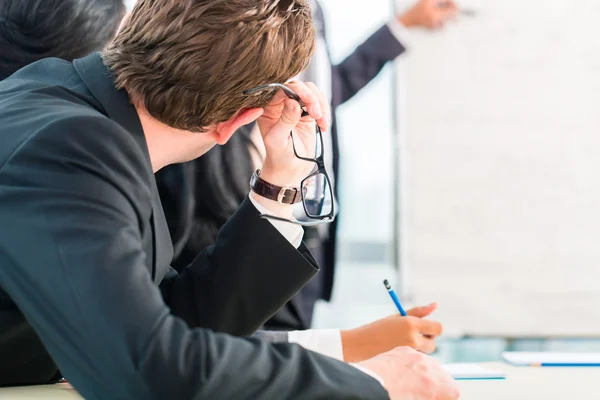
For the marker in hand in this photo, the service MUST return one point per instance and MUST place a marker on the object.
(394, 298)
(469, 12)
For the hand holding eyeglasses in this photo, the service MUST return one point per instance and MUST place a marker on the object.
(291, 130)
(282, 116)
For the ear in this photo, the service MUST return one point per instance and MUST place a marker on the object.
(226, 129)
(123, 22)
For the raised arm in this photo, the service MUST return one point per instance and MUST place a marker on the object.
(365, 62)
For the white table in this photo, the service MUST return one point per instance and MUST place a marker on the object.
(521, 384)
(60, 391)
(525, 383)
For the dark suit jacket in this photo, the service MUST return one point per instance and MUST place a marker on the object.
(348, 78)
(85, 252)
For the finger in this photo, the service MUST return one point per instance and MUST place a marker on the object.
(447, 5)
(426, 345)
(272, 113)
(310, 99)
(290, 116)
(422, 312)
(448, 12)
(443, 12)
(430, 328)
(448, 15)
(324, 122)
(279, 97)
(452, 5)
(446, 387)
(275, 106)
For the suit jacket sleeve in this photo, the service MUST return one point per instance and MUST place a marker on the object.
(240, 282)
(272, 336)
(360, 67)
(74, 265)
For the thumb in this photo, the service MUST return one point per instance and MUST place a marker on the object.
(449, 12)
(422, 312)
(289, 118)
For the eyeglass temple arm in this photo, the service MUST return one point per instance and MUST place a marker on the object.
(325, 220)
(289, 92)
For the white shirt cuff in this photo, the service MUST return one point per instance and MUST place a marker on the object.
(325, 341)
(292, 232)
(370, 373)
(400, 32)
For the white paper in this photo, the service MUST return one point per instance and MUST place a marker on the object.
(472, 371)
(537, 358)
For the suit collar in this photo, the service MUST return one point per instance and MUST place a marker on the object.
(115, 103)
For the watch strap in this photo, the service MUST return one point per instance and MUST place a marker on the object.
(273, 192)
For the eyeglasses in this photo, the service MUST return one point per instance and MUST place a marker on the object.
(318, 200)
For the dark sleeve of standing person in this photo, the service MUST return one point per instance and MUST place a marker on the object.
(365, 62)
(74, 264)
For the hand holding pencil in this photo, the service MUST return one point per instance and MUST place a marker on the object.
(409, 328)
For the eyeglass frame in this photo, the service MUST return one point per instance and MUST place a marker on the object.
(319, 161)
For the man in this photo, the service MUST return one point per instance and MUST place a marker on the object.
(31, 30)
(83, 244)
(340, 82)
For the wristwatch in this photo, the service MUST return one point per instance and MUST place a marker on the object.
(273, 192)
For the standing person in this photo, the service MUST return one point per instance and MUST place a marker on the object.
(84, 246)
(340, 82)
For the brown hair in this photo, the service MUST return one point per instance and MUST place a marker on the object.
(188, 61)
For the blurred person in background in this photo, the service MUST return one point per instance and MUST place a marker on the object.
(340, 82)
(200, 196)
(34, 29)
(31, 30)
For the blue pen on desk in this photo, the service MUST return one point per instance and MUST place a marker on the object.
(394, 298)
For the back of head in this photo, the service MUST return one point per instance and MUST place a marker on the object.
(34, 29)
(188, 61)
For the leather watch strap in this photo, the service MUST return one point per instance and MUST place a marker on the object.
(273, 192)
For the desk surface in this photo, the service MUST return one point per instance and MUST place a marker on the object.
(521, 384)
(61, 391)
(531, 383)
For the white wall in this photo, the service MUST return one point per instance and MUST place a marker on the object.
(502, 117)
(129, 4)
